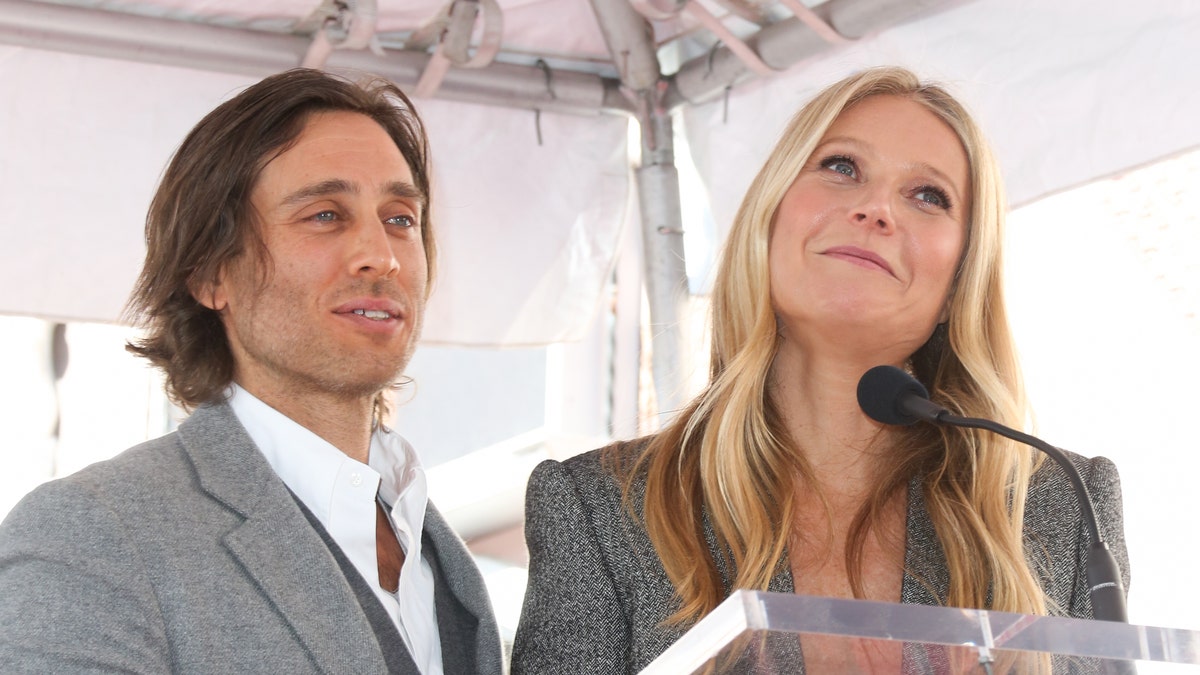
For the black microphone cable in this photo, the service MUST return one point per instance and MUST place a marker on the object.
(891, 396)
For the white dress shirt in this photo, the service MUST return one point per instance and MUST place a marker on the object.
(341, 493)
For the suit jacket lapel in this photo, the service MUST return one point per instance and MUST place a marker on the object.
(770, 652)
(277, 547)
(395, 654)
(469, 634)
(926, 581)
(926, 576)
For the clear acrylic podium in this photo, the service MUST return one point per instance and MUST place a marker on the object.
(758, 632)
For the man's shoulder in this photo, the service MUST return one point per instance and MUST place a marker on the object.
(151, 463)
(142, 461)
(157, 469)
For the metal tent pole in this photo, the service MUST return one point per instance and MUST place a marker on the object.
(630, 40)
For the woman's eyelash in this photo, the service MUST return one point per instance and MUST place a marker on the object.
(943, 199)
(845, 165)
(833, 161)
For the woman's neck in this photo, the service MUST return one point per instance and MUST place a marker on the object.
(818, 403)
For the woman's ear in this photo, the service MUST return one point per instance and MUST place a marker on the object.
(944, 317)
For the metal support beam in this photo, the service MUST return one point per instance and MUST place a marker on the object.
(630, 40)
(115, 35)
(786, 43)
(664, 260)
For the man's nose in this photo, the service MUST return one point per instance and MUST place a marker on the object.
(372, 253)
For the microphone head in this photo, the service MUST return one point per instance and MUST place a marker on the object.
(882, 389)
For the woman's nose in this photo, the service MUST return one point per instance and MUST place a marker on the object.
(875, 211)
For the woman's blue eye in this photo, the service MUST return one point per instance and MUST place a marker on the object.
(934, 196)
(841, 164)
(402, 221)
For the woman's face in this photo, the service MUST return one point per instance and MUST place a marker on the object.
(865, 242)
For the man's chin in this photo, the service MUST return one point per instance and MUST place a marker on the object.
(366, 386)
(351, 378)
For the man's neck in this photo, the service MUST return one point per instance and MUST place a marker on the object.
(346, 422)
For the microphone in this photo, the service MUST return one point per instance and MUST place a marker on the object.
(891, 396)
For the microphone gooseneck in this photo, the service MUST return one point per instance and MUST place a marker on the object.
(891, 396)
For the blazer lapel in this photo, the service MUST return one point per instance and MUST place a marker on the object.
(926, 581)
(926, 576)
(759, 653)
(395, 653)
(277, 547)
(469, 634)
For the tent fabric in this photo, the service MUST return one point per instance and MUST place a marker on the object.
(1068, 91)
(527, 231)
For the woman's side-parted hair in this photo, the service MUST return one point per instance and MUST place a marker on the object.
(728, 458)
(201, 217)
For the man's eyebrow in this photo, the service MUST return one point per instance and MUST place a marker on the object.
(322, 189)
(406, 190)
(401, 189)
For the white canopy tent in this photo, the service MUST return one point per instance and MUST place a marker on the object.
(1068, 92)
(536, 203)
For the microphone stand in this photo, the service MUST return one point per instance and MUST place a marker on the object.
(1103, 575)
(891, 396)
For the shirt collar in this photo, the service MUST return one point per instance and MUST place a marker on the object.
(308, 464)
(396, 462)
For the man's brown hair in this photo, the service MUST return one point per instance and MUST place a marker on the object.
(201, 217)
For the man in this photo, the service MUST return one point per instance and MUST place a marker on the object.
(282, 528)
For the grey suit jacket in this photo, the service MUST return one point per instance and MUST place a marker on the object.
(188, 554)
(598, 595)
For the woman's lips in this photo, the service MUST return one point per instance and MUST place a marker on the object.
(859, 256)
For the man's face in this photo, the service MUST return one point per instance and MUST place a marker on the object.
(337, 308)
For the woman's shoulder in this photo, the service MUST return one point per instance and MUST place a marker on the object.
(1098, 474)
(617, 459)
(1053, 512)
(1052, 502)
(1056, 536)
(598, 476)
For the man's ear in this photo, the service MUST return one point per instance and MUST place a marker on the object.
(211, 293)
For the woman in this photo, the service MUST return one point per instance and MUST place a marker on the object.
(871, 236)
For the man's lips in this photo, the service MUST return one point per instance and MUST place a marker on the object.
(378, 309)
(860, 257)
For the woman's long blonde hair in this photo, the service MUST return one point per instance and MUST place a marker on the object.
(728, 456)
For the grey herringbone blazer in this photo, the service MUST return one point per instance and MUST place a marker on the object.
(598, 596)
(188, 554)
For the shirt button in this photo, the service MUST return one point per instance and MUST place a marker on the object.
(355, 479)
